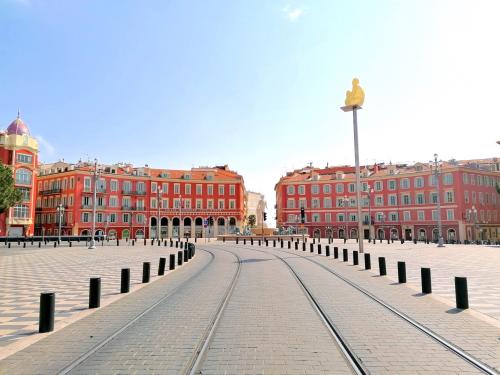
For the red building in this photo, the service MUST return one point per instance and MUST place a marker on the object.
(130, 201)
(401, 201)
(19, 151)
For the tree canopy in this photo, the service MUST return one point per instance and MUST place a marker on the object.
(9, 195)
(252, 220)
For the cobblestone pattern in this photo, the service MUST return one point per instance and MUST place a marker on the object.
(476, 336)
(269, 326)
(66, 271)
(57, 350)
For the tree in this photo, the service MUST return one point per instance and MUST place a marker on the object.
(252, 220)
(9, 195)
(498, 188)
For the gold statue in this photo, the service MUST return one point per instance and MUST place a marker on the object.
(356, 97)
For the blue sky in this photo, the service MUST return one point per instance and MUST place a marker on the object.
(253, 84)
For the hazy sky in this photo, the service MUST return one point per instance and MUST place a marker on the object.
(253, 84)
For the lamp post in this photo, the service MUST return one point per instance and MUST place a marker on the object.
(369, 193)
(346, 203)
(158, 222)
(94, 205)
(60, 212)
(438, 201)
(473, 216)
(180, 216)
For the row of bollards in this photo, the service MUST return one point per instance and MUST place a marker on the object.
(48, 300)
(461, 291)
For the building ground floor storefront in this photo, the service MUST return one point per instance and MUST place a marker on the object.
(168, 228)
(452, 232)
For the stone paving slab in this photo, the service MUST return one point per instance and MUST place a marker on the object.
(60, 348)
(470, 331)
(269, 326)
(66, 271)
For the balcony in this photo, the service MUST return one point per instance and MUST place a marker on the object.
(50, 191)
(86, 206)
(129, 208)
(133, 192)
(19, 221)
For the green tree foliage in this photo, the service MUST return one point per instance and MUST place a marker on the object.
(252, 220)
(498, 188)
(9, 195)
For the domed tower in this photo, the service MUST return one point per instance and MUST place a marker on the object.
(19, 150)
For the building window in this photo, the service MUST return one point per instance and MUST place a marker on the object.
(199, 204)
(406, 215)
(420, 198)
(187, 189)
(153, 203)
(177, 188)
(393, 216)
(210, 204)
(434, 215)
(232, 204)
(339, 188)
(419, 182)
(450, 214)
(449, 197)
(25, 194)
(328, 217)
(85, 217)
(466, 196)
(23, 158)
(448, 179)
(433, 198)
(113, 185)
(290, 203)
(432, 180)
(302, 189)
(113, 201)
(20, 212)
(316, 218)
(353, 217)
(406, 199)
(393, 201)
(232, 190)
(187, 203)
(153, 187)
(221, 189)
(291, 218)
(352, 188)
(140, 219)
(302, 203)
(126, 202)
(290, 189)
(391, 185)
(315, 189)
(421, 215)
(340, 217)
(378, 185)
(210, 189)
(86, 201)
(327, 189)
(23, 176)
(140, 186)
(127, 187)
(164, 187)
(327, 202)
(112, 218)
(164, 203)
(199, 189)
(315, 203)
(404, 183)
(379, 200)
(126, 218)
(220, 203)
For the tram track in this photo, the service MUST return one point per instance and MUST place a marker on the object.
(459, 352)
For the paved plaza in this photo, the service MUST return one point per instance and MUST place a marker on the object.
(267, 326)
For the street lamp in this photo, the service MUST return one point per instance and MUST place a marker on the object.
(92, 240)
(473, 215)
(180, 216)
(369, 193)
(346, 203)
(438, 202)
(60, 211)
(158, 228)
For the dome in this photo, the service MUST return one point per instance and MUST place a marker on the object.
(18, 127)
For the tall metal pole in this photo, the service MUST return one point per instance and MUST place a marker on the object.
(158, 221)
(92, 240)
(59, 210)
(440, 225)
(358, 178)
(370, 214)
(180, 216)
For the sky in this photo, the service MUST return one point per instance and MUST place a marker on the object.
(255, 84)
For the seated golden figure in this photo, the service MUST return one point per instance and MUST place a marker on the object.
(356, 97)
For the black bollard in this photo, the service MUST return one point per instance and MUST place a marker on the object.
(401, 272)
(267, 243)
(244, 241)
(251, 241)
(289, 245)
(133, 242)
(152, 242)
(161, 266)
(345, 240)
(47, 309)
(70, 244)
(311, 248)
(355, 258)
(55, 243)
(179, 258)
(381, 266)
(461, 293)
(159, 242)
(281, 242)
(236, 240)
(185, 256)
(319, 249)
(335, 252)
(24, 245)
(368, 261)
(296, 245)
(346, 257)
(172, 262)
(39, 244)
(176, 244)
(274, 243)
(327, 250)
(125, 280)
(144, 242)
(95, 293)
(117, 242)
(303, 246)
(388, 241)
(146, 269)
(425, 274)
(260, 244)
